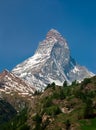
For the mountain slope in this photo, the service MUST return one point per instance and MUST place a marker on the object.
(6, 111)
(58, 108)
(52, 62)
(65, 107)
(10, 83)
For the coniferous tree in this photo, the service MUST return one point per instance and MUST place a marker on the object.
(65, 84)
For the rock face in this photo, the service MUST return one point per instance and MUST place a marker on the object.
(51, 62)
(10, 83)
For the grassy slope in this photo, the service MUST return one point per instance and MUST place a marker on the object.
(89, 124)
(62, 105)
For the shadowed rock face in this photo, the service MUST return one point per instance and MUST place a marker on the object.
(7, 112)
(51, 62)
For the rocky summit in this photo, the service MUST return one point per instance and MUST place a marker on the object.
(51, 62)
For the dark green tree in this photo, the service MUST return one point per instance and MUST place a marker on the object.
(53, 86)
(74, 83)
(68, 124)
(88, 111)
(65, 84)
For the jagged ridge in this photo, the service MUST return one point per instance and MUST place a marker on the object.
(10, 83)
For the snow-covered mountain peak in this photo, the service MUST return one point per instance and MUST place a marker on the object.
(52, 40)
(51, 62)
(55, 35)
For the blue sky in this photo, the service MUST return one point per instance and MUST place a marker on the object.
(24, 23)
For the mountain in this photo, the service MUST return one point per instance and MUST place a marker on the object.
(9, 84)
(51, 62)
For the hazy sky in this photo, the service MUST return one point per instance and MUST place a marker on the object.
(23, 23)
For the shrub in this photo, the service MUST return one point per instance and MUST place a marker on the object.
(24, 127)
(85, 82)
(37, 92)
(59, 95)
(51, 86)
(47, 102)
(88, 111)
(74, 83)
(53, 110)
(37, 118)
